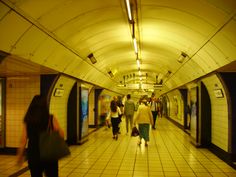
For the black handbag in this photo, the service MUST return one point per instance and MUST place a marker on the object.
(135, 131)
(51, 145)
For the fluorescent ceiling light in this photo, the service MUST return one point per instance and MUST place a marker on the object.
(128, 9)
(138, 63)
(139, 72)
(135, 45)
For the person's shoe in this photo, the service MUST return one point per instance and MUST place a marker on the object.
(113, 137)
(116, 137)
(146, 144)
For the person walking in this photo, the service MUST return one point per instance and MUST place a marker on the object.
(154, 109)
(144, 119)
(129, 109)
(113, 116)
(35, 121)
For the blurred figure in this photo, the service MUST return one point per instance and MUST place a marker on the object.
(154, 109)
(121, 106)
(129, 109)
(159, 108)
(144, 119)
(113, 116)
(35, 121)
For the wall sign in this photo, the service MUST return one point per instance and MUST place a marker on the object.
(218, 93)
(59, 92)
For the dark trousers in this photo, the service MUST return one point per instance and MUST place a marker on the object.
(115, 125)
(154, 116)
(49, 168)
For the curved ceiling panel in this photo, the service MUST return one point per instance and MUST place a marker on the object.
(12, 27)
(60, 34)
(29, 43)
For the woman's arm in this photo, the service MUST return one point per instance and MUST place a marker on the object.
(119, 111)
(56, 127)
(108, 116)
(21, 149)
(150, 116)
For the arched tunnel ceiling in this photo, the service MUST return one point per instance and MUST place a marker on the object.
(60, 34)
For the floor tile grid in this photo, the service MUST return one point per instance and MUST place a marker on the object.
(161, 145)
(87, 156)
(207, 163)
(190, 153)
(169, 153)
(109, 150)
(197, 154)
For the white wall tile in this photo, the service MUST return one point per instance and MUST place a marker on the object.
(19, 93)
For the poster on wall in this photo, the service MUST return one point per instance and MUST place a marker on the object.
(84, 121)
(104, 105)
(178, 107)
(193, 113)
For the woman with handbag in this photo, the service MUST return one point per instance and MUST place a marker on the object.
(113, 116)
(144, 120)
(36, 121)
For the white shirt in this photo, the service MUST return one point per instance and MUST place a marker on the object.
(114, 114)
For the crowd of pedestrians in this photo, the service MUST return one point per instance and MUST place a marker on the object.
(142, 114)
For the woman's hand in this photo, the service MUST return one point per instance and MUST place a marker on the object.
(20, 160)
(56, 127)
(21, 149)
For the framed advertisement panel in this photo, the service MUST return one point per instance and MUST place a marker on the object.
(194, 114)
(83, 113)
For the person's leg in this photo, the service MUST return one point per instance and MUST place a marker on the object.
(127, 123)
(116, 127)
(154, 116)
(51, 169)
(141, 133)
(36, 169)
(146, 133)
(131, 121)
(113, 126)
(155, 124)
(36, 172)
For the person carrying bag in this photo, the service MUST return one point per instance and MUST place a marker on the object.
(51, 145)
(36, 121)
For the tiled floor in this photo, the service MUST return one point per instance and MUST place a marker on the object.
(169, 154)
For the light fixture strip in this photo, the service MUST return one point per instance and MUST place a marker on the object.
(128, 9)
(135, 45)
(139, 72)
(138, 63)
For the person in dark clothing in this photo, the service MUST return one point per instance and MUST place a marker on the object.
(36, 121)
(113, 117)
(119, 103)
(154, 109)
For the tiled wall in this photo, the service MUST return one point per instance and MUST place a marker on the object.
(219, 110)
(19, 93)
(58, 105)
